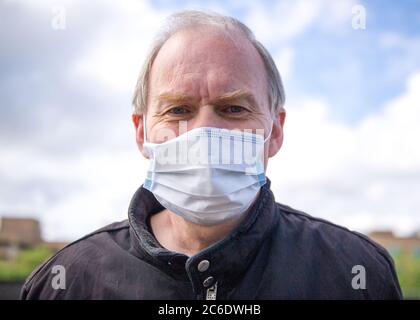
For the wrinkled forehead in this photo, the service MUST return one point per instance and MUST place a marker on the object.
(221, 60)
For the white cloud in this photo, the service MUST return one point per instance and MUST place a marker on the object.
(284, 62)
(72, 196)
(109, 181)
(115, 56)
(70, 183)
(282, 21)
(397, 132)
(364, 176)
(277, 25)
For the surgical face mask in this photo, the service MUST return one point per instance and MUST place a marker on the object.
(207, 175)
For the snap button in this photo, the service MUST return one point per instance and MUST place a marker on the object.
(203, 265)
(208, 282)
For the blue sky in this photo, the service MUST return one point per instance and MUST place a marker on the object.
(351, 155)
(360, 56)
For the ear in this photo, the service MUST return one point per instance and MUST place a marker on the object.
(139, 128)
(276, 140)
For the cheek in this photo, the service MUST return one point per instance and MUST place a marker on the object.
(252, 122)
(163, 131)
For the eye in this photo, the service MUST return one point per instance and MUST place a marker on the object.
(178, 110)
(234, 109)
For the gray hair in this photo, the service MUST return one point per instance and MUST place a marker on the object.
(191, 18)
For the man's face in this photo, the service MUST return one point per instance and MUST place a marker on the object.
(208, 79)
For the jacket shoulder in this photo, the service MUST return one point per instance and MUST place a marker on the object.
(342, 247)
(71, 257)
(329, 230)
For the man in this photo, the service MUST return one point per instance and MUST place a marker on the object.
(212, 229)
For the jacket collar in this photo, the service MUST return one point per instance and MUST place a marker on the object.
(229, 258)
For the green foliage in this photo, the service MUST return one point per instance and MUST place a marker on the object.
(408, 269)
(26, 261)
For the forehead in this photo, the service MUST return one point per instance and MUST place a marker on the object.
(208, 62)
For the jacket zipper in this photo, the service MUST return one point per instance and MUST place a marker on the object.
(212, 292)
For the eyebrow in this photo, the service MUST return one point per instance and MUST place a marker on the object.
(228, 97)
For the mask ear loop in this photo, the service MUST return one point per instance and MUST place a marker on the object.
(260, 166)
(270, 132)
(262, 155)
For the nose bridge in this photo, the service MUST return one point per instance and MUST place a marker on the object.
(206, 117)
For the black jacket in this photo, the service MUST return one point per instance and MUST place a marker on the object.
(276, 253)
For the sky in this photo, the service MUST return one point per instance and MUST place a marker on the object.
(67, 74)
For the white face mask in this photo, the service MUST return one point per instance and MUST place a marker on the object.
(207, 175)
